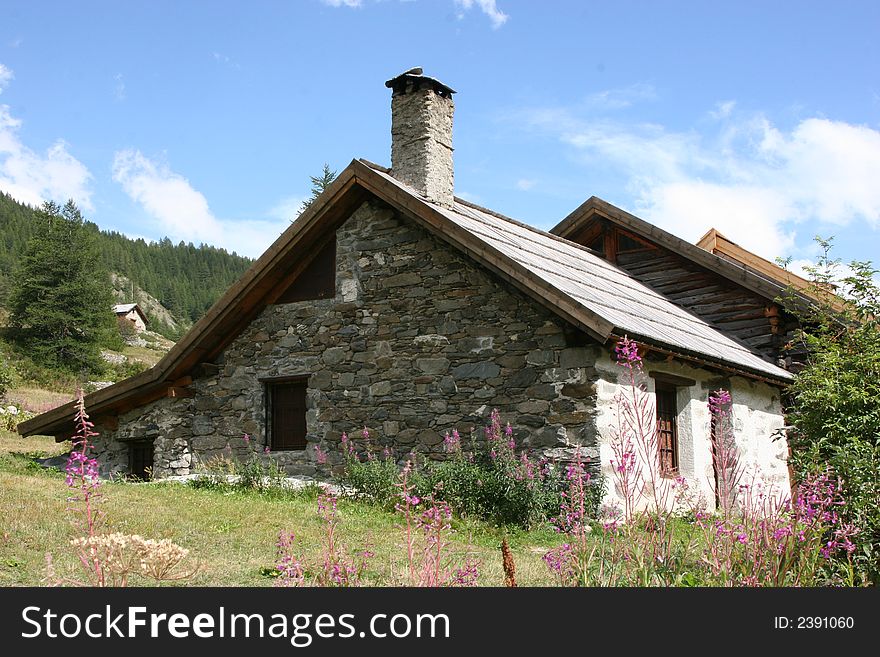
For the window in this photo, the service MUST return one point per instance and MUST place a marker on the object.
(140, 460)
(317, 280)
(286, 414)
(667, 431)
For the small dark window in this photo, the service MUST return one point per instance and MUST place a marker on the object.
(317, 280)
(626, 243)
(140, 460)
(598, 244)
(287, 415)
(667, 430)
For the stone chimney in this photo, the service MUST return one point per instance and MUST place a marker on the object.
(421, 135)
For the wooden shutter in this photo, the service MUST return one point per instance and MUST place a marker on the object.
(667, 437)
(288, 409)
(140, 460)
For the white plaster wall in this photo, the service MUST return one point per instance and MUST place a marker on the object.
(135, 319)
(757, 413)
(757, 423)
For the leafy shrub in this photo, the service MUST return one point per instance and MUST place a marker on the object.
(488, 480)
(835, 405)
(258, 473)
(11, 415)
(7, 374)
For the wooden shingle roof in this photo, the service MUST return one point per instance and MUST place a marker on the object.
(618, 303)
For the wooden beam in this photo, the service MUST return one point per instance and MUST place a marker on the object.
(611, 245)
(109, 422)
(672, 379)
(203, 370)
(180, 393)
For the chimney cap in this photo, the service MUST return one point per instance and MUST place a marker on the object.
(413, 79)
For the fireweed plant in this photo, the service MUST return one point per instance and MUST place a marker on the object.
(426, 527)
(757, 537)
(258, 472)
(337, 567)
(107, 559)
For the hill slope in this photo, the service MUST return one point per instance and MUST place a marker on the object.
(185, 279)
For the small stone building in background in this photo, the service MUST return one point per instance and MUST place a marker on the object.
(131, 312)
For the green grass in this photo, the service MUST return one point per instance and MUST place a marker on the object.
(38, 400)
(231, 535)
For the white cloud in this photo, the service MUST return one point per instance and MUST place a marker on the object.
(746, 177)
(33, 178)
(525, 184)
(287, 208)
(226, 60)
(182, 212)
(488, 7)
(612, 99)
(119, 89)
(5, 77)
(723, 110)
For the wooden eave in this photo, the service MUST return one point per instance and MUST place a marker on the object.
(716, 243)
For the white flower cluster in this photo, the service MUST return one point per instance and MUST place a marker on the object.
(11, 415)
(124, 554)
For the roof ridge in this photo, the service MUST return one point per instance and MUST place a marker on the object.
(489, 211)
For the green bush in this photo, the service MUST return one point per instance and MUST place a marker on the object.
(484, 479)
(835, 405)
(7, 374)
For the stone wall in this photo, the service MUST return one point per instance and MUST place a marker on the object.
(418, 341)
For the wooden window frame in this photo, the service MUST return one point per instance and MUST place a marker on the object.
(669, 392)
(270, 387)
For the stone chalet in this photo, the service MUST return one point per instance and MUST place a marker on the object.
(131, 312)
(392, 304)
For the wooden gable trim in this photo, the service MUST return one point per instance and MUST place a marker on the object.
(717, 244)
(739, 274)
(223, 321)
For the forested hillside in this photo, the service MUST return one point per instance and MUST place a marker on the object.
(186, 279)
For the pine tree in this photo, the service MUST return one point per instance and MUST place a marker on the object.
(319, 185)
(61, 299)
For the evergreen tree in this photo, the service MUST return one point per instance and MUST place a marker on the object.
(319, 185)
(202, 273)
(61, 302)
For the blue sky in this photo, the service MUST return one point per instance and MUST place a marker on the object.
(204, 120)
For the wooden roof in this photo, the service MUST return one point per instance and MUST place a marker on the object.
(715, 242)
(125, 308)
(568, 279)
(595, 209)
